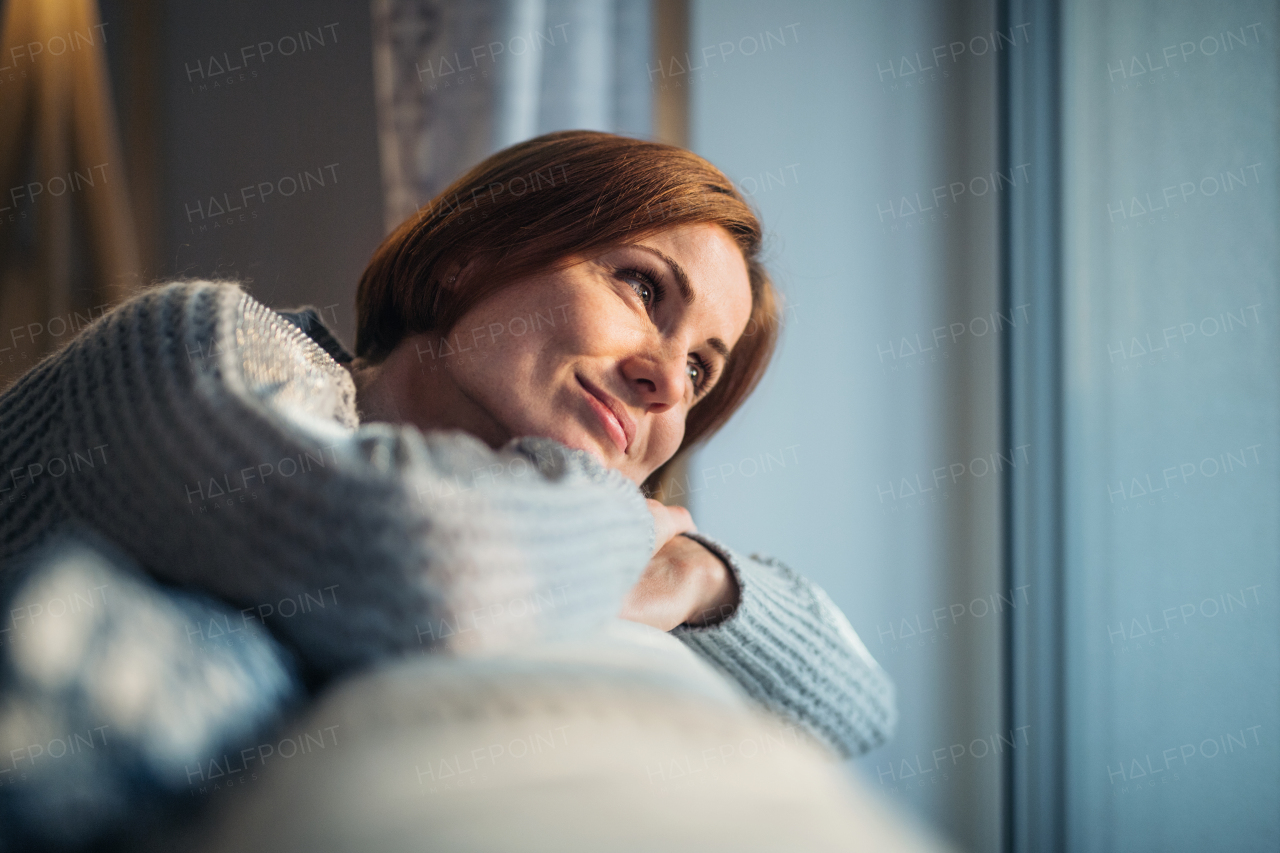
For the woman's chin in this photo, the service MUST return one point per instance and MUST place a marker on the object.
(591, 448)
(585, 443)
(576, 439)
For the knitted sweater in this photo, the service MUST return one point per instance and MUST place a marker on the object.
(219, 446)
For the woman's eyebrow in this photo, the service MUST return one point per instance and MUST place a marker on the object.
(682, 278)
(686, 292)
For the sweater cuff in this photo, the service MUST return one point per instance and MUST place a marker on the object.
(726, 612)
(792, 650)
(752, 598)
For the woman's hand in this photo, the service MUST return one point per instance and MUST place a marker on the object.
(668, 522)
(684, 582)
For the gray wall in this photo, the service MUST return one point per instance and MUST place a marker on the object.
(832, 132)
(276, 117)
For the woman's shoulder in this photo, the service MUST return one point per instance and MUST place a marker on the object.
(219, 340)
(308, 319)
(200, 368)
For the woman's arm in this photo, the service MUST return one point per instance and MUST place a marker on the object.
(792, 650)
(218, 446)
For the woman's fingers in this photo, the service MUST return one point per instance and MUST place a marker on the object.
(669, 522)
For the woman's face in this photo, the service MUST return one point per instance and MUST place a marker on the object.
(606, 356)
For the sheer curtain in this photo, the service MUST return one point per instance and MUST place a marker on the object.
(456, 82)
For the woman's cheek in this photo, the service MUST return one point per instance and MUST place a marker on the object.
(668, 431)
(589, 324)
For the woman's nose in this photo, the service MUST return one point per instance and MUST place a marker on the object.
(658, 379)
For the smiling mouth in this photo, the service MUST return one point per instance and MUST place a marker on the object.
(602, 406)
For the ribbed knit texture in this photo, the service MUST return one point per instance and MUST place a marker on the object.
(198, 398)
(794, 652)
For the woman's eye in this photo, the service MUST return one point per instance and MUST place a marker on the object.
(700, 373)
(695, 373)
(649, 291)
(643, 290)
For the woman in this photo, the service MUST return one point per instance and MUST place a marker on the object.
(532, 347)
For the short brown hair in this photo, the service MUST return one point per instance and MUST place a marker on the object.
(537, 204)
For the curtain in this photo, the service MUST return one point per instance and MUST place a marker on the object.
(456, 82)
(67, 243)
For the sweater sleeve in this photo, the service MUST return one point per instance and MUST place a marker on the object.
(227, 457)
(792, 651)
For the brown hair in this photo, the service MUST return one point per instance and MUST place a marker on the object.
(533, 206)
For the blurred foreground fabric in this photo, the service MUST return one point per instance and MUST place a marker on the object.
(135, 716)
(624, 742)
(114, 690)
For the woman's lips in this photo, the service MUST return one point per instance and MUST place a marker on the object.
(606, 409)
